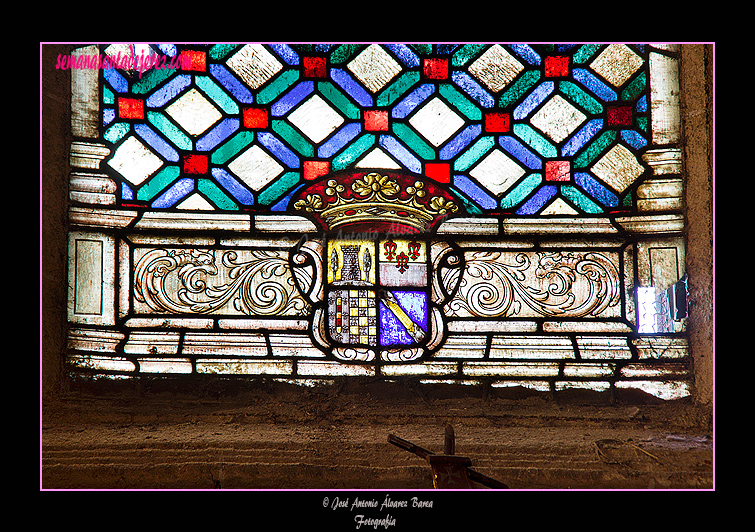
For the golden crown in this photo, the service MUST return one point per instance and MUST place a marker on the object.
(375, 202)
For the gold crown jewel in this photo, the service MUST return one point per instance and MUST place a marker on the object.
(376, 199)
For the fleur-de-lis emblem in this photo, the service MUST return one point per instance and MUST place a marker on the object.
(390, 250)
(402, 262)
(414, 250)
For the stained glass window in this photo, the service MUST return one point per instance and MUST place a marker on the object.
(485, 214)
(524, 130)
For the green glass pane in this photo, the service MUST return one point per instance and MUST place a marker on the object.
(278, 188)
(519, 89)
(585, 53)
(116, 132)
(398, 88)
(339, 99)
(305, 48)
(343, 53)
(461, 102)
(158, 183)
(353, 152)
(230, 148)
(578, 198)
(470, 207)
(580, 97)
(633, 90)
(535, 140)
(151, 79)
(293, 138)
(277, 87)
(215, 195)
(413, 141)
(170, 130)
(520, 192)
(595, 148)
(465, 53)
(218, 95)
(471, 155)
(422, 49)
(219, 51)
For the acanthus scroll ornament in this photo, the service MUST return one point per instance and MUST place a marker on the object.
(177, 281)
(563, 284)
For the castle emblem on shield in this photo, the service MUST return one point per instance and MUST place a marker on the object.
(377, 292)
(377, 300)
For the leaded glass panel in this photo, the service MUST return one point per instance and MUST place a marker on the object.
(491, 214)
(516, 129)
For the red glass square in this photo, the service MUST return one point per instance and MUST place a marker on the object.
(195, 164)
(314, 67)
(619, 116)
(557, 171)
(255, 117)
(315, 169)
(131, 108)
(376, 120)
(556, 66)
(193, 60)
(497, 122)
(436, 68)
(440, 172)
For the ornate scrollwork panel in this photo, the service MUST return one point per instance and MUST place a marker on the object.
(571, 284)
(242, 282)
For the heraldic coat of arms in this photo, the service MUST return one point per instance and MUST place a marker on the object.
(381, 292)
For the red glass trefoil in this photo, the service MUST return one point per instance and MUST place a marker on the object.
(256, 118)
(556, 66)
(619, 116)
(132, 108)
(557, 171)
(196, 164)
(440, 172)
(315, 169)
(314, 67)
(436, 68)
(195, 60)
(497, 122)
(375, 120)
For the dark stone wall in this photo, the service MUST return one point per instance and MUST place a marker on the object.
(55, 140)
(696, 85)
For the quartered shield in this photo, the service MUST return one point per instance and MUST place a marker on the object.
(378, 301)
(377, 292)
